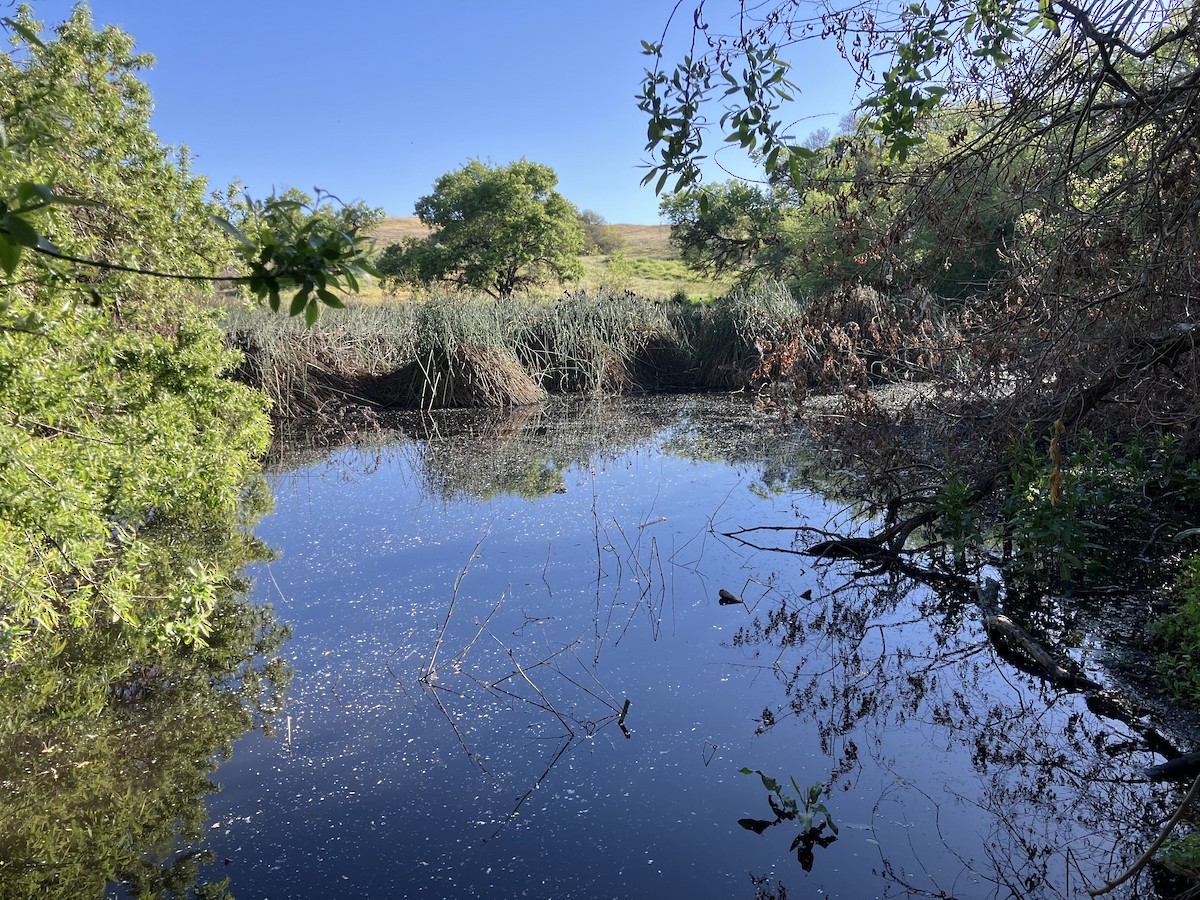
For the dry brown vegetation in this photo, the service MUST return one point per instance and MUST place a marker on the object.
(461, 351)
(648, 241)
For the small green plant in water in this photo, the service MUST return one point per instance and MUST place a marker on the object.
(1088, 503)
(959, 518)
(1049, 539)
(805, 808)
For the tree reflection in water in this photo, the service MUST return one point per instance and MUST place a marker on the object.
(1031, 794)
(107, 745)
(970, 778)
(105, 762)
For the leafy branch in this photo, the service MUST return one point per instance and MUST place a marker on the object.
(284, 252)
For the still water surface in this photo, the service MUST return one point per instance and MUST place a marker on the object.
(473, 609)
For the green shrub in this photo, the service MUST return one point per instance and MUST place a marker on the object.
(1067, 514)
(118, 429)
(1178, 634)
(1181, 855)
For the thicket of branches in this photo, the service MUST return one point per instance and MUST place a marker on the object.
(1044, 155)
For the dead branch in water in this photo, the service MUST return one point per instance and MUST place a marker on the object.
(431, 672)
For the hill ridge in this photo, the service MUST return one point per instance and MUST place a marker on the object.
(652, 241)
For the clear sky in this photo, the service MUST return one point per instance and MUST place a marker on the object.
(374, 99)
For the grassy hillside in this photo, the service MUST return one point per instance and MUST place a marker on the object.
(389, 231)
(647, 265)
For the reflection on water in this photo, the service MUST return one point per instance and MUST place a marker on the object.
(519, 672)
(106, 758)
(108, 743)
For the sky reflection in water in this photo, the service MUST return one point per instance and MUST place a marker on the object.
(466, 742)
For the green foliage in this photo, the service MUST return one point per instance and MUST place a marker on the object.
(1181, 855)
(496, 229)
(673, 102)
(618, 272)
(847, 220)
(960, 139)
(76, 207)
(959, 520)
(935, 50)
(1085, 511)
(106, 757)
(804, 807)
(1178, 635)
(1049, 536)
(292, 242)
(409, 261)
(733, 227)
(117, 425)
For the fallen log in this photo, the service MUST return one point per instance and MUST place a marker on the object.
(1021, 649)
(1181, 768)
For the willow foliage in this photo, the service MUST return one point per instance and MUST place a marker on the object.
(115, 421)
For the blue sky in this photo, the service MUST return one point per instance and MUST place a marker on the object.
(373, 100)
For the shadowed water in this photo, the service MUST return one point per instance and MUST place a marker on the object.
(514, 675)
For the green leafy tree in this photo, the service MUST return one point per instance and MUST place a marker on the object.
(599, 236)
(304, 260)
(116, 420)
(844, 223)
(726, 227)
(410, 260)
(496, 229)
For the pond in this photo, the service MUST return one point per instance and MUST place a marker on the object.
(529, 660)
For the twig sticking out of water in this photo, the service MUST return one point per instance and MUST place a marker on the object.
(621, 719)
(644, 578)
(430, 673)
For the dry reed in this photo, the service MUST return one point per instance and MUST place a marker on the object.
(452, 350)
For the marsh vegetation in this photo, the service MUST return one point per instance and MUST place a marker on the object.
(939, 502)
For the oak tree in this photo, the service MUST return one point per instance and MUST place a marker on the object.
(496, 229)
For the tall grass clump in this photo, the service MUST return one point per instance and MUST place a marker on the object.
(442, 351)
(727, 339)
(464, 353)
(590, 341)
(345, 357)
